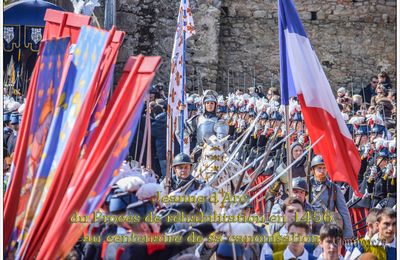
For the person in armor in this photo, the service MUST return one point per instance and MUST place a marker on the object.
(182, 165)
(327, 195)
(201, 126)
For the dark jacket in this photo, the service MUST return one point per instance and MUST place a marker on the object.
(159, 134)
(367, 93)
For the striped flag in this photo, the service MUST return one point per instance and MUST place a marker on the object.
(302, 75)
(177, 83)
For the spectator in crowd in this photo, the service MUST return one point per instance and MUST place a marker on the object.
(239, 92)
(382, 102)
(387, 222)
(159, 135)
(357, 102)
(372, 223)
(160, 89)
(293, 209)
(295, 249)
(384, 79)
(258, 90)
(273, 94)
(331, 240)
(368, 91)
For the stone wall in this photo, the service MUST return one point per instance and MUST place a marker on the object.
(236, 42)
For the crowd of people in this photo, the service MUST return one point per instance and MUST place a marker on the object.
(307, 215)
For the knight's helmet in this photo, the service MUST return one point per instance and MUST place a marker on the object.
(210, 96)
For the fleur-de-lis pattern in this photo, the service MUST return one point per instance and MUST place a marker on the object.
(177, 83)
(212, 159)
(73, 96)
(44, 105)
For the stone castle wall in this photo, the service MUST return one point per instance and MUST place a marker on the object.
(236, 43)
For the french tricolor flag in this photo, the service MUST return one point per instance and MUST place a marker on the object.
(302, 76)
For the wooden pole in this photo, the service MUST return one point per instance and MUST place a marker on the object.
(288, 152)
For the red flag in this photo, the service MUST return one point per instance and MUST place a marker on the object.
(64, 24)
(57, 24)
(76, 229)
(11, 197)
(303, 75)
(109, 143)
(70, 153)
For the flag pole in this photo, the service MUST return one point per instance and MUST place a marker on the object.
(183, 80)
(288, 152)
(169, 154)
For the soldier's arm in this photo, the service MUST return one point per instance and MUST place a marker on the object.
(344, 212)
(363, 169)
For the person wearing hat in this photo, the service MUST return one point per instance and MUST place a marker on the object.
(327, 196)
(201, 126)
(182, 166)
(375, 178)
(120, 198)
(300, 191)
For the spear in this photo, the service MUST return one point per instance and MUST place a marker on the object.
(279, 175)
(236, 150)
(253, 163)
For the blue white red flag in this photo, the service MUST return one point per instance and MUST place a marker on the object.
(302, 76)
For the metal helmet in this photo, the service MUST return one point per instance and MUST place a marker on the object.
(209, 98)
(317, 160)
(297, 117)
(384, 153)
(276, 116)
(181, 158)
(14, 119)
(264, 115)
(300, 183)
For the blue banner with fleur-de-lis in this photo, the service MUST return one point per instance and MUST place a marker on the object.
(85, 58)
(48, 83)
